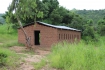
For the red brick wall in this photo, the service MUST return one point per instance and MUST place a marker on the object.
(48, 35)
(21, 36)
(68, 35)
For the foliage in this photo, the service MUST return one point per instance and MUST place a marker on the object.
(2, 20)
(91, 14)
(55, 17)
(28, 9)
(95, 21)
(88, 33)
(79, 56)
(101, 27)
(77, 22)
(102, 30)
(50, 5)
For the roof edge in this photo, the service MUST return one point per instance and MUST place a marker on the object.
(59, 27)
(54, 26)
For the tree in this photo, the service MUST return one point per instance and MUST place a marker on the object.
(88, 33)
(55, 17)
(67, 15)
(77, 22)
(23, 9)
(102, 30)
(50, 5)
(2, 20)
(101, 27)
(90, 22)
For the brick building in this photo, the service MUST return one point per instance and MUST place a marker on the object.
(44, 35)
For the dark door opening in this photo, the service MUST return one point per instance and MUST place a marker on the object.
(37, 37)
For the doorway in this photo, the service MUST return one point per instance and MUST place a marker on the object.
(37, 37)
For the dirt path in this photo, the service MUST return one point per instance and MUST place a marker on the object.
(26, 63)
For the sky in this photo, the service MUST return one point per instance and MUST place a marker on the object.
(4, 4)
(83, 4)
(69, 4)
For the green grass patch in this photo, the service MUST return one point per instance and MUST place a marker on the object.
(8, 39)
(11, 44)
(11, 61)
(79, 56)
(39, 65)
(7, 36)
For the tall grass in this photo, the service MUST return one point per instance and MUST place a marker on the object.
(7, 35)
(8, 39)
(11, 61)
(79, 56)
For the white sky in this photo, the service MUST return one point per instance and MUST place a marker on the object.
(83, 4)
(3, 5)
(69, 4)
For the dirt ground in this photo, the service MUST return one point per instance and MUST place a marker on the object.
(36, 56)
(1, 43)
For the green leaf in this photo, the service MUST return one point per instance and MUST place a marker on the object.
(40, 14)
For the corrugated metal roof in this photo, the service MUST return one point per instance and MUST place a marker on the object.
(59, 27)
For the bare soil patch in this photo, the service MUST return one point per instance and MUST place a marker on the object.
(47, 67)
(18, 49)
(1, 43)
(26, 62)
(37, 51)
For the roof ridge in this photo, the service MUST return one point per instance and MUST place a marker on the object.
(60, 27)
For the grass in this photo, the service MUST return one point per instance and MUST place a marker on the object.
(64, 56)
(7, 36)
(39, 65)
(79, 56)
(9, 39)
(12, 60)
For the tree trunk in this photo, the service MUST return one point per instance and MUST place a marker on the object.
(26, 36)
(16, 6)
